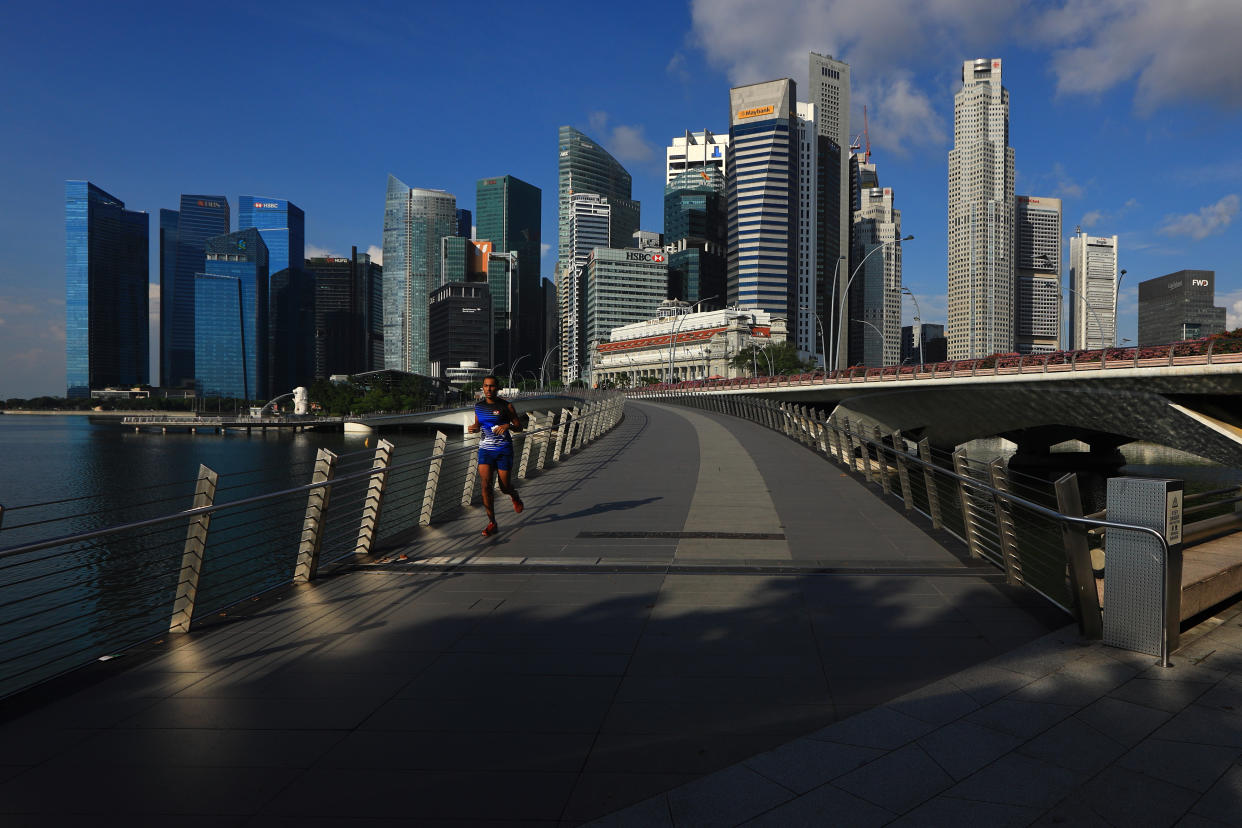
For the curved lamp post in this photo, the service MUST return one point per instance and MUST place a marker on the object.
(918, 321)
(672, 345)
(1099, 325)
(823, 356)
(1116, 300)
(544, 367)
(878, 333)
(515, 364)
(846, 292)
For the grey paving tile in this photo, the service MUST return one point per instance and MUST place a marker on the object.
(1203, 725)
(1223, 801)
(1075, 745)
(1126, 797)
(1041, 785)
(193, 748)
(1187, 765)
(986, 683)
(805, 764)
(1225, 696)
(723, 664)
(502, 716)
(457, 750)
(824, 805)
(938, 703)
(432, 687)
(612, 800)
(725, 799)
(1020, 718)
(1168, 695)
(761, 689)
(692, 751)
(675, 717)
(922, 779)
(948, 810)
(250, 714)
(1193, 820)
(1122, 721)
(961, 748)
(879, 728)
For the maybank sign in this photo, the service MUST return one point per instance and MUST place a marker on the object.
(755, 112)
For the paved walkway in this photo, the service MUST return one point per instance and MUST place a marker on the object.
(686, 593)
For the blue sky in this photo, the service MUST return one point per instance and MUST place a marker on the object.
(1128, 110)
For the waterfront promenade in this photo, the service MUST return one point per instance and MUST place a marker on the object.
(687, 593)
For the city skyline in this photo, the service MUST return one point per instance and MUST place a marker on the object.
(1131, 132)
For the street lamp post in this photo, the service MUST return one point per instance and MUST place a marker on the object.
(918, 321)
(823, 356)
(514, 366)
(846, 292)
(672, 345)
(544, 366)
(1116, 299)
(1099, 325)
(878, 332)
(833, 311)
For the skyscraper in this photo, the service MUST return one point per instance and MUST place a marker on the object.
(230, 317)
(459, 315)
(696, 227)
(1092, 291)
(874, 308)
(695, 151)
(291, 299)
(762, 180)
(829, 93)
(1037, 263)
(981, 215)
(107, 251)
(622, 287)
(414, 222)
(347, 295)
(589, 226)
(806, 333)
(1179, 306)
(508, 213)
(464, 223)
(183, 239)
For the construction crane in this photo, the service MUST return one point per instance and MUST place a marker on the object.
(859, 140)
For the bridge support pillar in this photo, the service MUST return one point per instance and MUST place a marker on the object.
(192, 557)
(903, 469)
(316, 517)
(433, 478)
(1078, 556)
(929, 481)
(374, 498)
(959, 466)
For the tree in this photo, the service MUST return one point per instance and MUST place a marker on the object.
(772, 360)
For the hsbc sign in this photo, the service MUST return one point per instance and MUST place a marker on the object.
(266, 205)
(635, 256)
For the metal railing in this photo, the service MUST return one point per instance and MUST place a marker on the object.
(1032, 530)
(1209, 351)
(72, 598)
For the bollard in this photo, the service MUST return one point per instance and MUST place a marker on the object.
(316, 516)
(1078, 557)
(433, 479)
(374, 498)
(903, 470)
(192, 557)
(929, 481)
(1004, 523)
(959, 466)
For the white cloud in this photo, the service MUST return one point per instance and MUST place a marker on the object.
(677, 68)
(933, 309)
(1174, 51)
(314, 251)
(1233, 309)
(1211, 219)
(1091, 218)
(377, 254)
(625, 142)
(900, 115)
(544, 247)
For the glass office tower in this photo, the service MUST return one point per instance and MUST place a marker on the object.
(345, 291)
(282, 225)
(696, 226)
(106, 304)
(508, 212)
(415, 220)
(230, 317)
(183, 237)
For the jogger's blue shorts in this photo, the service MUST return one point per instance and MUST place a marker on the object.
(501, 458)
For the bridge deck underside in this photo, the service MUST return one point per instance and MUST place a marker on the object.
(686, 592)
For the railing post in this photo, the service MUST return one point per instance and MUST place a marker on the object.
(374, 498)
(433, 478)
(532, 423)
(579, 427)
(868, 475)
(316, 516)
(472, 477)
(959, 466)
(1078, 558)
(821, 438)
(545, 438)
(192, 556)
(883, 461)
(1005, 528)
(559, 445)
(903, 471)
(929, 481)
(849, 445)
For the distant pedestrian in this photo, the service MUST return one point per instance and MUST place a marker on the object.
(496, 418)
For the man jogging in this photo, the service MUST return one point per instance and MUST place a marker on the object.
(495, 417)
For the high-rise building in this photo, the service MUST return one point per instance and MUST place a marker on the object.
(230, 317)
(981, 216)
(762, 181)
(874, 302)
(1092, 291)
(1037, 264)
(806, 332)
(465, 223)
(290, 296)
(503, 275)
(508, 212)
(695, 151)
(183, 239)
(347, 295)
(622, 287)
(551, 330)
(829, 93)
(589, 225)
(696, 226)
(926, 345)
(414, 222)
(460, 323)
(1179, 306)
(107, 250)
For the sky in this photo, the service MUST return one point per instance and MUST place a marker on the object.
(1130, 111)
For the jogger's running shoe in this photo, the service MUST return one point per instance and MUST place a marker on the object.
(518, 505)
(490, 529)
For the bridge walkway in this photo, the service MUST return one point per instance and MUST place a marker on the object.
(689, 591)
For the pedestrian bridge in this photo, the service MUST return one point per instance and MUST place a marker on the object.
(1183, 396)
